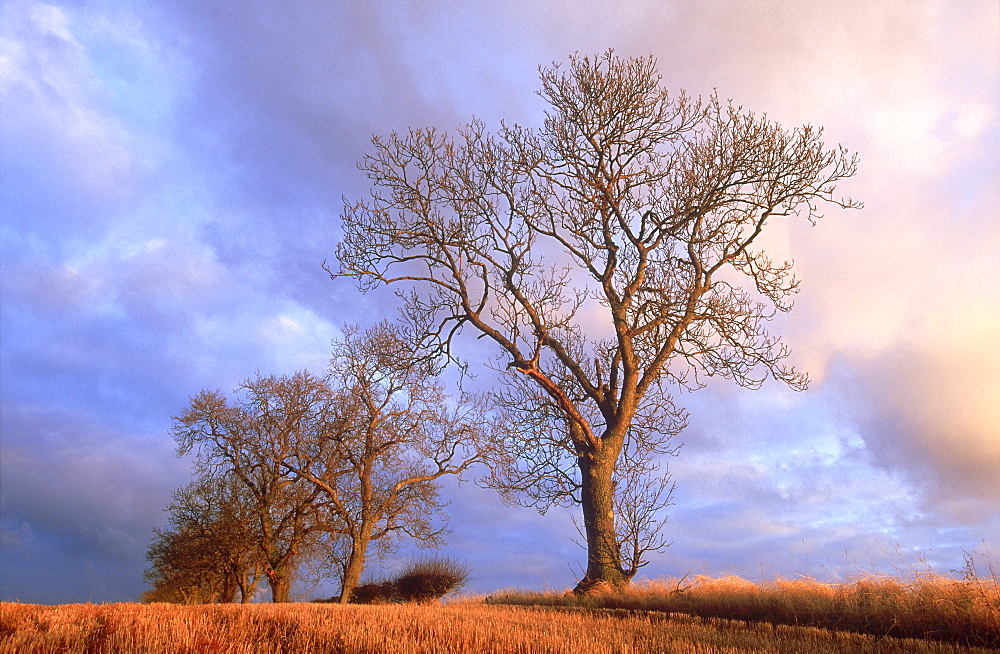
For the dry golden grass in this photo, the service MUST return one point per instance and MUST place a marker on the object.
(927, 606)
(465, 627)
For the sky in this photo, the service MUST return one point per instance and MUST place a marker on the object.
(171, 180)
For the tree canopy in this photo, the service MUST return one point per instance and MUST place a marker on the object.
(612, 256)
(303, 471)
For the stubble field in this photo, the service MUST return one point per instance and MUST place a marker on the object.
(641, 621)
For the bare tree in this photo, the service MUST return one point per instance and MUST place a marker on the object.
(639, 503)
(182, 570)
(534, 463)
(237, 440)
(375, 463)
(210, 553)
(223, 512)
(610, 255)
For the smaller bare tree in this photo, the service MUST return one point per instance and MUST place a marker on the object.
(237, 440)
(209, 554)
(639, 505)
(376, 462)
(182, 570)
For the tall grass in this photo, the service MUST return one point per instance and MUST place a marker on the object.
(927, 605)
(406, 629)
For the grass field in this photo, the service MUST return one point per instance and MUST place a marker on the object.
(470, 626)
(926, 612)
(927, 606)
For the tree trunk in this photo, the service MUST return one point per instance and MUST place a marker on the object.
(353, 569)
(281, 584)
(604, 569)
(227, 595)
(248, 585)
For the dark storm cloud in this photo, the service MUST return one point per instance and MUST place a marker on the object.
(136, 305)
(79, 504)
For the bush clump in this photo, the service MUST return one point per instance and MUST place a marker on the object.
(430, 579)
(422, 581)
(375, 593)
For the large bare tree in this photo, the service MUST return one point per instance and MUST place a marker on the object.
(611, 255)
(376, 461)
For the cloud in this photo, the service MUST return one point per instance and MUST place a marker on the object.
(69, 155)
(774, 470)
(79, 504)
(173, 177)
(900, 317)
(897, 316)
(932, 412)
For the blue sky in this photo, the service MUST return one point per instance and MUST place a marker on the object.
(171, 176)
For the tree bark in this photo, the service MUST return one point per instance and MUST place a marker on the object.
(228, 593)
(247, 587)
(355, 565)
(281, 584)
(604, 569)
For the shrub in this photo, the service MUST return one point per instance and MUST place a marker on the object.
(430, 579)
(422, 581)
(375, 593)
